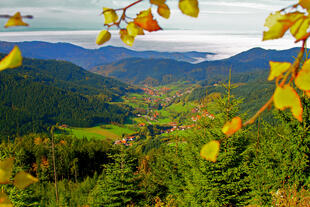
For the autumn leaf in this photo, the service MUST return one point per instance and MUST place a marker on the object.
(279, 23)
(305, 4)
(103, 37)
(302, 79)
(12, 60)
(6, 167)
(126, 38)
(145, 20)
(277, 69)
(134, 30)
(210, 151)
(23, 179)
(231, 127)
(15, 20)
(287, 97)
(308, 93)
(189, 7)
(4, 200)
(300, 27)
(110, 16)
(158, 2)
(164, 11)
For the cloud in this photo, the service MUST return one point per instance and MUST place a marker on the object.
(84, 14)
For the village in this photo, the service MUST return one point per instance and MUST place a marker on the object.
(164, 97)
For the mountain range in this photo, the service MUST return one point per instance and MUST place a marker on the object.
(89, 58)
(163, 71)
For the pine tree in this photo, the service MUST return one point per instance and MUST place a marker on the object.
(118, 184)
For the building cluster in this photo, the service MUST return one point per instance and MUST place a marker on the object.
(126, 141)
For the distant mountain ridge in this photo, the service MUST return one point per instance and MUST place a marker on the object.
(89, 58)
(162, 71)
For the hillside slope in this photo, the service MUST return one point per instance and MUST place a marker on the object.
(42, 93)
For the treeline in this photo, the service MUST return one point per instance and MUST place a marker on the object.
(264, 165)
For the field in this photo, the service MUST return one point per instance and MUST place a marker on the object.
(112, 132)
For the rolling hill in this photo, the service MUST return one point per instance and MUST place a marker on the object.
(44, 92)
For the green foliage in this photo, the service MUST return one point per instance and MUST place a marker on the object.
(42, 93)
(118, 183)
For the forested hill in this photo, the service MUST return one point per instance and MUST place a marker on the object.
(45, 92)
(139, 71)
(88, 58)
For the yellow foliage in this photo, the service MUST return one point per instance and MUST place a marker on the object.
(6, 167)
(103, 37)
(279, 23)
(300, 27)
(23, 179)
(305, 4)
(12, 60)
(4, 200)
(231, 127)
(286, 97)
(164, 11)
(189, 7)
(15, 20)
(210, 151)
(110, 16)
(134, 30)
(277, 69)
(302, 79)
(158, 2)
(126, 38)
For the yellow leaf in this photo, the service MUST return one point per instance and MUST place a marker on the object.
(299, 29)
(305, 4)
(134, 30)
(279, 23)
(158, 2)
(23, 179)
(231, 127)
(308, 93)
(110, 16)
(12, 60)
(4, 200)
(286, 97)
(15, 20)
(302, 79)
(145, 20)
(210, 151)
(126, 38)
(164, 11)
(103, 37)
(6, 167)
(277, 69)
(189, 7)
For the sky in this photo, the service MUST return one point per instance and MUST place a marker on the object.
(225, 27)
(220, 15)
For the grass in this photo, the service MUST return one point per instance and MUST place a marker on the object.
(112, 132)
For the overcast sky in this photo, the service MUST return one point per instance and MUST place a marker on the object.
(215, 15)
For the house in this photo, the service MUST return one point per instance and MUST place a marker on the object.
(141, 125)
